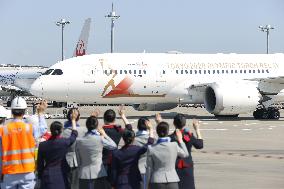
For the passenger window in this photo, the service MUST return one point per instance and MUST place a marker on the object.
(258, 71)
(176, 71)
(249, 71)
(241, 71)
(245, 71)
(190, 71)
(57, 72)
(181, 72)
(218, 72)
(253, 71)
(227, 71)
(115, 71)
(267, 71)
(208, 71)
(223, 71)
(140, 72)
(195, 71)
(47, 72)
(144, 71)
(164, 72)
(105, 72)
(186, 72)
(262, 71)
(204, 71)
(130, 72)
(200, 72)
(213, 71)
(232, 71)
(125, 71)
(236, 71)
(134, 71)
(120, 71)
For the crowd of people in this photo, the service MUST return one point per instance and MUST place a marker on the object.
(74, 156)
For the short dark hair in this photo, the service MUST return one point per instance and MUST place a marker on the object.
(179, 121)
(162, 129)
(18, 112)
(92, 123)
(70, 112)
(109, 116)
(141, 125)
(56, 128)
(128, 136)
(2, 120)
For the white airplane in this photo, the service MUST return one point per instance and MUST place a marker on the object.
(25, 75)
(17, 79)
(227, 84)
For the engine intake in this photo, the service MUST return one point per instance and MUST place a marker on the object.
(231, 98)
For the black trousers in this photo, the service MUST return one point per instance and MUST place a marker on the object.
(170, 185)
(186, 177)
(100, 183)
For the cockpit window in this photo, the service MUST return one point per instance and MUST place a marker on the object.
(57, 72)
(47, 72)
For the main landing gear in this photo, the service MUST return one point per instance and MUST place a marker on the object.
(270, 113)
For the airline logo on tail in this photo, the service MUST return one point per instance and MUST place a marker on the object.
(81, 47)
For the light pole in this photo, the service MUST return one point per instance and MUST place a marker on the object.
(62, 23)
(112, 16)
(266, 29)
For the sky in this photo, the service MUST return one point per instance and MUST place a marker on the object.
(29, 36)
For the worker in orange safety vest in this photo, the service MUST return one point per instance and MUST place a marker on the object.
(18, 146)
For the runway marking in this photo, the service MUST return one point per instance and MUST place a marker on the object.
(246, 129)
(242, 154)
(235, 125)
(205, 123)
(270, 128)
(214, 129)
(220, 122)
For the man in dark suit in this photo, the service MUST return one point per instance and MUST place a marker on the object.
(114, 131)
(184, 166)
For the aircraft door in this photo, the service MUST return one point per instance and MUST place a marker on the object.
(160, 81)
(89, 72)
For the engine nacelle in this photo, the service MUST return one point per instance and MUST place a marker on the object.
(154, 107)
(231, 98)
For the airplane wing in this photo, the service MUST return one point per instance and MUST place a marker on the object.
(276, 80)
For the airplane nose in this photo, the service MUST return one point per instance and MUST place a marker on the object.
(37, 88)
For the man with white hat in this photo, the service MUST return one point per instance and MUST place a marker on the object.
(3, 114)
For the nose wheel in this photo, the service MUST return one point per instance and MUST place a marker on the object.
(270, 113)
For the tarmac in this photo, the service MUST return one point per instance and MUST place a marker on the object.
(238, 153)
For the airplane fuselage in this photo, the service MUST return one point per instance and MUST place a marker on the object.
(150, 78)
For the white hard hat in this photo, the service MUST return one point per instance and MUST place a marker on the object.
(3, 112)
(18, 103)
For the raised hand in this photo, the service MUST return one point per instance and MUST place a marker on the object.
(158, 118)
(179, 136)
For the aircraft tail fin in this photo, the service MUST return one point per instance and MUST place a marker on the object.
(81, 46)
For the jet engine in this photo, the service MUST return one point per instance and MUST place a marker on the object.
(154, 107)
(231, 98)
